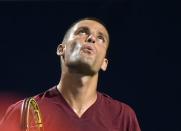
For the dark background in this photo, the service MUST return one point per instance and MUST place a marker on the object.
(144, 54)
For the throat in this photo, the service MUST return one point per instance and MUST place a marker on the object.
(80, 108)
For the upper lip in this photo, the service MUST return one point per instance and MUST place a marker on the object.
(89, 47)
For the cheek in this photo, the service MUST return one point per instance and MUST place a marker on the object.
(69, 46)
(102, 44)
(78, 38)
(68, 50)
(101, 51)
(100, 57)
(72, 49)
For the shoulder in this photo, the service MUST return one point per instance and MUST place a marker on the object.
(116, 106)
(121, 113)
(11, 119)
(48, 96)
(14, 108)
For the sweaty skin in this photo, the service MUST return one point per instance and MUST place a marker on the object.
(82, 55)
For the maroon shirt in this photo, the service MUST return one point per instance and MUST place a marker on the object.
(106, 114)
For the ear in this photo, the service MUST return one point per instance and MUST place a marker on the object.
(104, 64)
(60, 49)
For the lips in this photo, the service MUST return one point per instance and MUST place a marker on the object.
(89, 49)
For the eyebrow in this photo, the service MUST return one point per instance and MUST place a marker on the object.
(82, 27)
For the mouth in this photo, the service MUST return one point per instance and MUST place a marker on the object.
(88, 49)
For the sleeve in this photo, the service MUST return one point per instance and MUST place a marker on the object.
(11, 119)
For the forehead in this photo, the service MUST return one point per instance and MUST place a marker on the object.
(92, 25)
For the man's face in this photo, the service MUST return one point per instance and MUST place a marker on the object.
(86, 46)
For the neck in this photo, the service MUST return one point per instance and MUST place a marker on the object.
(79, 91)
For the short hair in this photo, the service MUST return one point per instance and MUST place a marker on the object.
(82, 19)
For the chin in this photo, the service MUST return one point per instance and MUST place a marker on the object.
(83, 68)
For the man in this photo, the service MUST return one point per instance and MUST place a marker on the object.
(75, 104)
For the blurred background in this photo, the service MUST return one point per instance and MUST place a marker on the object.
(144, 53)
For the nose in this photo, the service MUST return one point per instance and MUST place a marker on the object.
(91, 39)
